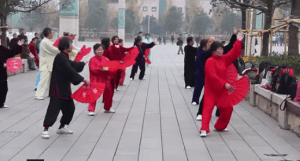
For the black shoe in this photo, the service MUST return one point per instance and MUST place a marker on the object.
(217, 113)
(35, 89)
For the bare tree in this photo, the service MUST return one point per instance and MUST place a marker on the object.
(265, 6)
(293, 29)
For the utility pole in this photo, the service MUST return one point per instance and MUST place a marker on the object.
(148, 24)
(121, 20)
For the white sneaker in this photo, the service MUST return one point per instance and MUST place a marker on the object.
(188, 87)
(64, 130)
(110, 111)
(4, 106)
(203, 133)
(39, 98)
(131, 79)
(91, 113)
(194, 103)
(225, 130)
(199, 118)
(45, 135)
(117, 89)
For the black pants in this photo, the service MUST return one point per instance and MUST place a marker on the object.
(141, 65)
(180, 49)
(56, 104)
(200, 109)
(189, 76)
(118, 77)
(3, 92)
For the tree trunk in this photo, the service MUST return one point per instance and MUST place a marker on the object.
(244, 20)
(266, 36)
(3, 30)
(293, 30)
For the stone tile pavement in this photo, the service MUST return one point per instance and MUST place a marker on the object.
(154, 121)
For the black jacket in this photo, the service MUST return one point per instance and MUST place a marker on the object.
(4, 55)
(190, 55)
(64, 73)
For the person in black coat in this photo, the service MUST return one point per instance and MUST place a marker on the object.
(64, 73)
(189, 63)
(5, 53)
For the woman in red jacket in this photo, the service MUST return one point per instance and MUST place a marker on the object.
(33, 50)
(98, 73)
(117, 53)
(215, 82)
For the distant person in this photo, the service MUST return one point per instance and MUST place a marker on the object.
(165, 40)
(172, 38)
(180, 43)
(22, 36)
(14, 40)
(198, 40)
(281, 40)
(27, 55)
(148, 40)
(141, 34)
(33, 50)
(189, 63)
(38, 41)
(159, 40)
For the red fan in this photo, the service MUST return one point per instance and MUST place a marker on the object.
(147, 52)
(14, 65)
(133, 53)
(127, 64)
(231, 74)
(114, 65)
(230, 99)
(89, 94)
(82, 53)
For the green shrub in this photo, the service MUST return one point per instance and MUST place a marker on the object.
(289, 61)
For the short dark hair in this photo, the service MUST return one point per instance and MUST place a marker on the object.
(147, 34)
(96, 46)
(64, 43)
(42, 36)
(120, 40)
(137, 40)
(66, 33)
(140, 32)
(35, 33)
(46, 32)
(15, 34)
(189, 39)
(214, 46)
(113, 38)
(105, 42)
(33, 39)
(203, 43)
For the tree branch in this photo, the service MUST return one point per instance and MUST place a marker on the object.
(248, 5)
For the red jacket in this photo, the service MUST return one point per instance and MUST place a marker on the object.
(215, 71)
(32, 49)
(96, 64)
(117, 53)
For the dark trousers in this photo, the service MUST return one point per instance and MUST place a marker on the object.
(200, 109)
(141, 65)
(3, 92)
(189, 76)
(57, 104)
(180, 49)
(118, 77)
(199, 83)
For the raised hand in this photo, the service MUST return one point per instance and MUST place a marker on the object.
(21, 42)
(229, 88)
(240, 37)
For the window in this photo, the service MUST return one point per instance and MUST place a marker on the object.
(145, 8)
(153, 9)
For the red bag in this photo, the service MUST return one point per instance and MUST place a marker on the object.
(14, 65)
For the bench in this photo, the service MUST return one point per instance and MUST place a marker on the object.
(269, 102)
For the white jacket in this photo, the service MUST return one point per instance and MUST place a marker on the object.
(47, 55)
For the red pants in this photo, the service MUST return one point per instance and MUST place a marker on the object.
(122, 79)
(107, 97)
(223, 120)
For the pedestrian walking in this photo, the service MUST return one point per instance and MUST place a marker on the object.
(180, 43)
(172, 38)
(63, 74)
(148, 40)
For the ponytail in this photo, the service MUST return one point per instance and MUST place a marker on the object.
(137, 40)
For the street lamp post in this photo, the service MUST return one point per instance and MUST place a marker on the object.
(121, 20)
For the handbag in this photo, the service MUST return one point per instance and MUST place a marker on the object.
(31, 55)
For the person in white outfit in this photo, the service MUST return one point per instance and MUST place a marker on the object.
(47, 55)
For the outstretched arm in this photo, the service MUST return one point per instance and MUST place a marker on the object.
(228, 47)
(233, 54)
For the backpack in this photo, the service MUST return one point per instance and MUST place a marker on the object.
(292, 90)
(276, 74)
(286, 84)
(263, 67)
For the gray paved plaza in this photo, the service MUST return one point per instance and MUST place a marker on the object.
(154, 121)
